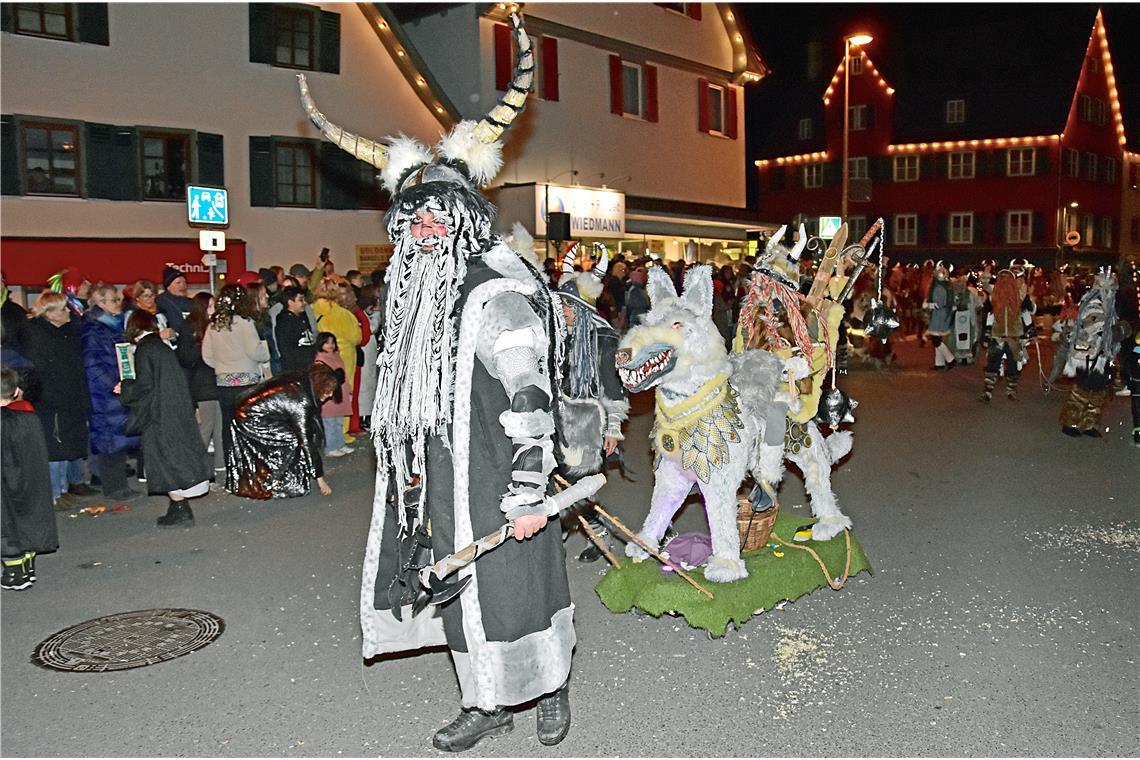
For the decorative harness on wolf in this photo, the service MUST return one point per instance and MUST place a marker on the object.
(698, 429)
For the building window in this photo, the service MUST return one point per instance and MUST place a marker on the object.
(856, 64)
(856, 226)
(165, 165)
(1088, 225)
(44, 20)
(1091, 166)
(955, 111)
(962, 228)
(906, 229)
(1084, 108)
(1110, 170)
(1092, 64)
(1100, 112)
(813, 175)
(857, 167)
(692, 10)
(906, 168)
(294, 163)
(716, 109)
(805, 129)
(1072, 162)
(51, 159)
(293, 37)
(632, 89)
(857, 118)
(1018, 226)
(961, 165)
(1020, 162)
(1106, 232)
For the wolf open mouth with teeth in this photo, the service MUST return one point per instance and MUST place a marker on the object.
(654, 363)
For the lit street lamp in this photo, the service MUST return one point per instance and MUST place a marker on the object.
(858, 39)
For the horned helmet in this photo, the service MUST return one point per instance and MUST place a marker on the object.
(780, 263)
(584, 286)
(468, 157)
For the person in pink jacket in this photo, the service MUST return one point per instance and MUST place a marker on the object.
(335, 409)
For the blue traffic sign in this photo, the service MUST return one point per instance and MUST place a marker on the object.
(207, 205)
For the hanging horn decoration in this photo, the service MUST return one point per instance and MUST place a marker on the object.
(603, 264)
(492, 126)
(366, 150)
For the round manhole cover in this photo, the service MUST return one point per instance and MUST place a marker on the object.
(128, 640)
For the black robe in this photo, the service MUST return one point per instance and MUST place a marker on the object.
(26, 498)
(277, 440)
(63, 402)
(162, 412)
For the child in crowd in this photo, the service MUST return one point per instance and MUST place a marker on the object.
(335, 409)
(29, 520)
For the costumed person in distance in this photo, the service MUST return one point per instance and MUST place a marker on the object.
(1085, 354)
(278, 436)
(1008, 324)
(594, 405)
(940, 303)
(464, 431)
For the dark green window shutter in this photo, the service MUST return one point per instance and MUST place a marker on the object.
(1042, 161)
(832, 174)
(328, 42)
(943, 228)
(983, 164)
(9, 157)
(92, 23)
(776, 179)
(928, 167)
(920, 229)
(112, 162)
(8, 17)
(340, 177)
(262, 187)
(260, 33)
(1038, 228)
(211, 160)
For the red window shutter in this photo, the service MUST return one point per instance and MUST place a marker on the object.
(651, 93)
(693, 11)
(703, 105)
(730, 112)
(549, 68)
(503, 56)
(615, 85)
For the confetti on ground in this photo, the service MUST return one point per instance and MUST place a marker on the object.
(1082, 541)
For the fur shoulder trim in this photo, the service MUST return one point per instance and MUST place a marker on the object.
(506, 262)
(483, 159)
(589, 286)
(522, 242)
(404, 153)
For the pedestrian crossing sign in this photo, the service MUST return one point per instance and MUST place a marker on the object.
(207, 205)
(829, 226)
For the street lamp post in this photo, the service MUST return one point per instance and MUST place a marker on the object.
(858, 39)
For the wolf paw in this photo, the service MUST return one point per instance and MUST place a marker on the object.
(635, 552)
(725, 570)
(829, 527)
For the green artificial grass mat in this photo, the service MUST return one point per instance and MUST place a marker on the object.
(770, 580)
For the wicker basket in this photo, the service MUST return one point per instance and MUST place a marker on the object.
(754, 527)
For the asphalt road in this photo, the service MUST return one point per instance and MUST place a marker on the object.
(1001, 618)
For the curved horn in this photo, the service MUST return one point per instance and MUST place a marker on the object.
(603, 264)
(498, 120)
(775, 239)
(366, 150)
(568, 259)
(800, 244)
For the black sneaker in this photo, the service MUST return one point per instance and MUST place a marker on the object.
(1072, 432)
(470, 727)
(177, 513)
(81, 489)
(15, 577)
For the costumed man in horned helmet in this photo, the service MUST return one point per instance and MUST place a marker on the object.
(1085, 354)
(940, 303)
(593, 398)
(1008, 325)
(464, 431)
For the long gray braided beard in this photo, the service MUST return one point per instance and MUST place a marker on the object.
(415, 383)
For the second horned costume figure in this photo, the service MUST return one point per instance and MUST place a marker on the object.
(464, 431)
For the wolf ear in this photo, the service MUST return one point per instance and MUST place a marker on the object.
(660, 286)
(698, 291)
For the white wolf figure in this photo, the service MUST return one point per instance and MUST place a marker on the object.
(710, 418)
